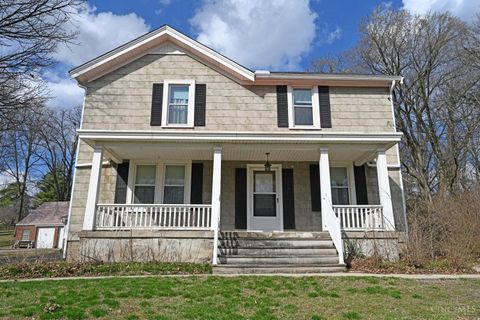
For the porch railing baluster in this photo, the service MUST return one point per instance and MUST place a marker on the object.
(359, 217)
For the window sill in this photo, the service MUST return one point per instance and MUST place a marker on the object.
(183, 126)
(304, 128)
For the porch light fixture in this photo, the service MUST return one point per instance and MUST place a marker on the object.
(268, 165)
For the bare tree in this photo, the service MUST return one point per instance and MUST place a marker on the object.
(20, 159)
(57, 152)
(436, 107)
(30, 31)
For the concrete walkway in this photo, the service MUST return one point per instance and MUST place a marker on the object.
(346, 274)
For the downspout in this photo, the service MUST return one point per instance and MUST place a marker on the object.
(398, 157)
(67, 227)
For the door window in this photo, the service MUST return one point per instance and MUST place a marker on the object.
(264, 194)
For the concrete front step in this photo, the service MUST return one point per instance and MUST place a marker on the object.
(262, 251)
(277, 243)
(275, 269)
(273, 235)
(276, 259)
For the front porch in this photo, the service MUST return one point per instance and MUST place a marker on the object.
(236, 192)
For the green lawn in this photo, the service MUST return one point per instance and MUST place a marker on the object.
(6, 238)
(210, 297)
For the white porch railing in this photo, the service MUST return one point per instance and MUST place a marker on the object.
(359, 217)
(153, 216)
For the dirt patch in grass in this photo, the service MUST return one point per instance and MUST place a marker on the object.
(64, 269)
(437, 266)
(211, 297)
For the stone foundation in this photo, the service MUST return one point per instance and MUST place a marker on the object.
(142, 246)
(385, 244)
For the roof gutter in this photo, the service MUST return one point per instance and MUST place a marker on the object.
(262, 74)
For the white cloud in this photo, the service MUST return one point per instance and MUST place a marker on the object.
(464, 9)
(65, 93)
(5, 179)
(334, 35)
(99, 33)
(259, 34)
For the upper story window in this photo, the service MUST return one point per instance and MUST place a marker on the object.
(303, 109)
(178, 99)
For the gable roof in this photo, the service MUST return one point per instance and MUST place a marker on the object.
(143, 44)
(148, 42)
(48, 213)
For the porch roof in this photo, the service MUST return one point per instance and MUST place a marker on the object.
(240, 146)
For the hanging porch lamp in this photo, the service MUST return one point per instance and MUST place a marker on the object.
(268, 165)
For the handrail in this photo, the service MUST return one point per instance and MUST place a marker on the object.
(333, 227)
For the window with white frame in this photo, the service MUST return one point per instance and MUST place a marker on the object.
(178, 102)
(26, 235)
(144, 188)
(303, 108)
(339, 184)
(174, 184)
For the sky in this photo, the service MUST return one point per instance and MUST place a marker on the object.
(277, 35)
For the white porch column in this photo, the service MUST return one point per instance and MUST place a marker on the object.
(325, 187)
(216, 192)
(93, 189)
(384, 190)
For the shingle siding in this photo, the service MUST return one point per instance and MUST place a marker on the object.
(122, 100)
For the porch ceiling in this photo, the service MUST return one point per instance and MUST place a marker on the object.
(359, 153)
(239, 146)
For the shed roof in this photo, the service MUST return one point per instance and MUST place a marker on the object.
(48, 213)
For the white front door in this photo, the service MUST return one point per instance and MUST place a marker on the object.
(45, 237)
(264, 198)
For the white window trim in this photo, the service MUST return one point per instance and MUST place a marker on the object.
(24, 231)
(186, 183)
(132, 173)
(191, 103)
(315, 108)
(159, 179)
(352, 195)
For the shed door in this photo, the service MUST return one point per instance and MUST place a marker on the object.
(45, 237)
(60, 237)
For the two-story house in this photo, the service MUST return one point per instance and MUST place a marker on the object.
(185, 155)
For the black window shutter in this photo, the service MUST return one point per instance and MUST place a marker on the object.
(288, 195)
(360, 184)
(157, 100)
(315, 187)
(240, 198)
(200, 104)
(282, 107)
(121, 184)
(196, 190)
(324, 101)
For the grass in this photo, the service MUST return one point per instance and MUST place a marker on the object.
(66, 269)
(211, 297)
(6, 238)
